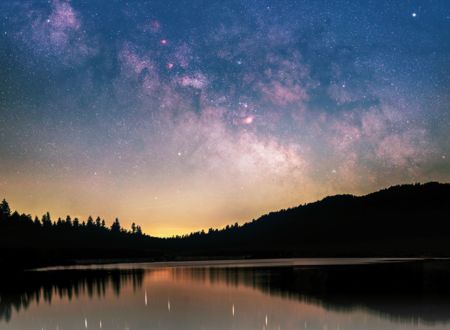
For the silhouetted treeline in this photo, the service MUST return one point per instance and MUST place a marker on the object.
(406, 220)
(8, 219)
(34, 242)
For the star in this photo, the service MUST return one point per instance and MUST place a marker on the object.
(159, 100)
(248, 120)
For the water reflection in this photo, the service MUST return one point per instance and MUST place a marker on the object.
(389, 295)
(407, 292)
(23, 289)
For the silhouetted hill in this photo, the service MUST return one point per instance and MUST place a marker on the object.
(406, 220)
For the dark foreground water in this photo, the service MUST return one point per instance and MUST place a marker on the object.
(270, 294)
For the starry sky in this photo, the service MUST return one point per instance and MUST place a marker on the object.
(183, 115)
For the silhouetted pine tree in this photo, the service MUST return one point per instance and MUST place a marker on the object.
(68, 221)
(90, 222)
(46, 220)
(115, 227)
(5, 211)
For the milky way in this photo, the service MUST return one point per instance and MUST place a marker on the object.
(182, 115)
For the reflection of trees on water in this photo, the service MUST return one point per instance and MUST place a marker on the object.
(407, 292)
(20, 291)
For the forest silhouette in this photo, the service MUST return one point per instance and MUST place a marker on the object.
(405, 220)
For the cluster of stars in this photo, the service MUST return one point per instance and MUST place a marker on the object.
(290, 103)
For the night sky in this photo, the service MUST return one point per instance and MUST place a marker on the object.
(183, 115)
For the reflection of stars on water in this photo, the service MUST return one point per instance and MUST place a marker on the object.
(145, 298)
(168, 305)
(232, 310)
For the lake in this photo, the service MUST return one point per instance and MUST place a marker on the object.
(256, 294)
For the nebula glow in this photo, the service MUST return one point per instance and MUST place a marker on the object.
(183, 115)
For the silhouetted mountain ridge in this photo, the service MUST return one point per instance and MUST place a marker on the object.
(405, 220)
(400, 220)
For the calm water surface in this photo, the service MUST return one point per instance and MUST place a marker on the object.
(269, 294)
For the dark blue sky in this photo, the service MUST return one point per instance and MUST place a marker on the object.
(168, 112)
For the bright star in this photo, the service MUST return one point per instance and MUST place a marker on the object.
(248, 120)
